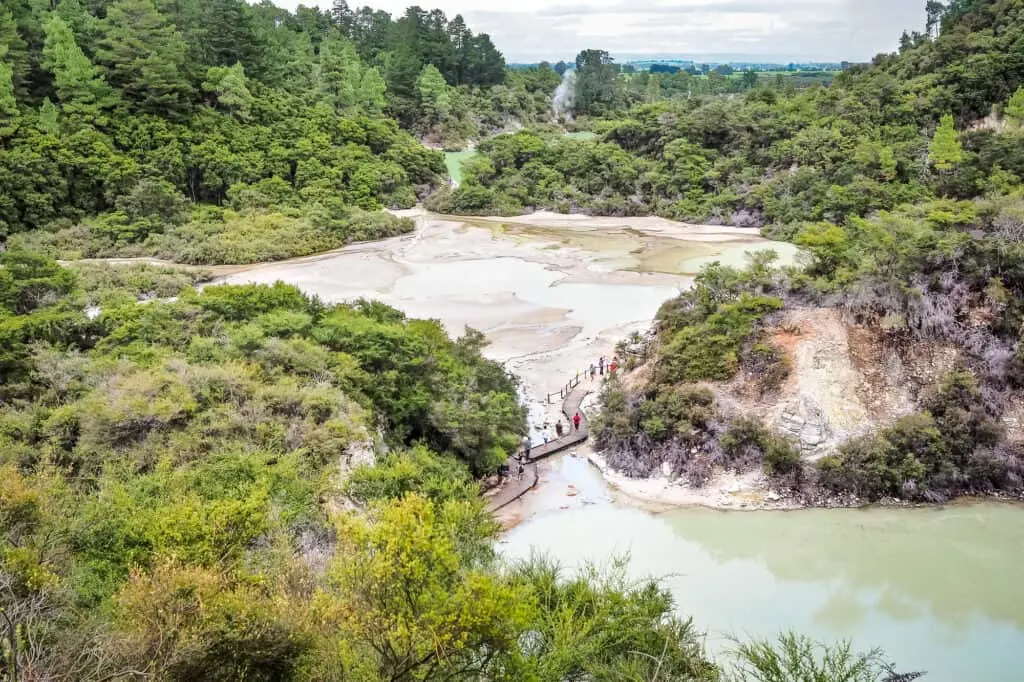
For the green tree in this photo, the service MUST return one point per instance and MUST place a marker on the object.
(402, 67)
(1015, 107)
(8, 105)
(14, 51)
(945, 151)
(230, 87)
(595, 82)
(145, 56)
(372, 92)
(227, 33)
(653, 93)
(433, 92)
(934, 11)
(343, 16)
(345, 82)
(411, 589)
(80, 86)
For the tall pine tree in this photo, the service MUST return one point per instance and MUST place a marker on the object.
(228, 36)
(945, 151)
(78, 82)
(145, 56)
(8, 105)
(434, 97)
(344, 81)
(14, 50)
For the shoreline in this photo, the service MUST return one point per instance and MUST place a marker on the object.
(711, 236)
(726, 493)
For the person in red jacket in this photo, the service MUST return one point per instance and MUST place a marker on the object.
(576, 421)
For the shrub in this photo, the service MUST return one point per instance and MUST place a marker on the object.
(415, 470)
(746, 442)
(710, 348)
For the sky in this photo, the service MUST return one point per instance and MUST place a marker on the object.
(764, 30)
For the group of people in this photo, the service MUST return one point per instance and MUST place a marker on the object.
(518, 465)
(560, 431)
(602, 365)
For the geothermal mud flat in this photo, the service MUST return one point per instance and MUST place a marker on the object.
(551, 292)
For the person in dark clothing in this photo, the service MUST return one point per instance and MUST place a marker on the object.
(526, 446)
(600, 365)
(558, 428)
(593, 371)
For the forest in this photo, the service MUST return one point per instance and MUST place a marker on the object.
(223, 132)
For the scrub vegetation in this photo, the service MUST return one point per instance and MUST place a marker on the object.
(185, 495)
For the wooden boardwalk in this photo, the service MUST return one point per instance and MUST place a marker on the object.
(516, 488)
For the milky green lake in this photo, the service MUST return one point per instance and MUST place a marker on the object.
(940, 590)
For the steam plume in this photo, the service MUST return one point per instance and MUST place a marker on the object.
(565, 96)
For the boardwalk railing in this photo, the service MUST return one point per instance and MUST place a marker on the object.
(564, 392)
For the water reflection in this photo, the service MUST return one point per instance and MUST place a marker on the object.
(957, 563)
(936, 588)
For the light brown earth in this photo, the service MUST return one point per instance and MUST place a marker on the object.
(846, 380)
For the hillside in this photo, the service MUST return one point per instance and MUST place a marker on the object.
(889, 365)
(873, 140)
(224, 132)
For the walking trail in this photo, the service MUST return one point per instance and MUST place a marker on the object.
(516, 488)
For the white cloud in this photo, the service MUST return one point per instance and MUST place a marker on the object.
(833, 30)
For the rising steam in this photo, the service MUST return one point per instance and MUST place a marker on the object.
(565, 96)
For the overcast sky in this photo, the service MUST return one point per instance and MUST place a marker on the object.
(825, 30)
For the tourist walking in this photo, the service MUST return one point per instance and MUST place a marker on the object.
(576, 421)
(526, 446)
(612, 367)
(593, 371)
(600, 365)
(558, 428)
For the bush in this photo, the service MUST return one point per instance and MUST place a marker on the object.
(746, 442)
(929, 455)
(416, 470)
(768, 365)
(710, 348)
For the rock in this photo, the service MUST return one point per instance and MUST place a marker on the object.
(361, 453)
(804, 420)
(773, 496)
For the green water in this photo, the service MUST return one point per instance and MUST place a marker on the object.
(454, 161)
(940, 590)
(582, 135)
